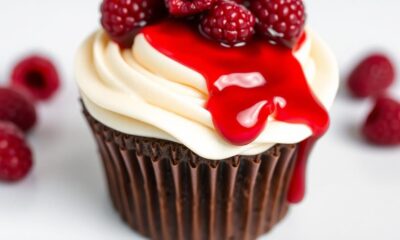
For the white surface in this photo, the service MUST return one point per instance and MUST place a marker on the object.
(353, 190)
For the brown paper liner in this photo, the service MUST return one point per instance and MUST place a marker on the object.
(165, 191)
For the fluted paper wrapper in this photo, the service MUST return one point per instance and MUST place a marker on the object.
(165, 191)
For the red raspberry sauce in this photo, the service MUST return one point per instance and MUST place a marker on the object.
(246, 85)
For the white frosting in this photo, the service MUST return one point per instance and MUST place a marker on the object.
(143, 92)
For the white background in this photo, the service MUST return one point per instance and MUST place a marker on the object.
(353, 190)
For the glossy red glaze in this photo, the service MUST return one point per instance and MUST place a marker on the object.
(297, 185)
(246, 85)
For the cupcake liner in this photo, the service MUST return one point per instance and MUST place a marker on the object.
(165, 191)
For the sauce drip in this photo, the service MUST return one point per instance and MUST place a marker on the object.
(246, 86)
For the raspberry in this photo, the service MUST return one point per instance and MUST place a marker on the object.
(16, 108)
(36, 75)
(229, 23)
(372, 76)
(382, 126)
(122, 19)
(188, 7)
(280, 21)
(15, 155)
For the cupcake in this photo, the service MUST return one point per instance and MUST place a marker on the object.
(205, 112)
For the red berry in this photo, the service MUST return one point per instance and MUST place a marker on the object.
(372, 76)
(16, 108)
(229, 23)
(15, 155)
(280, 21)
(122, 19)
(382, 126)
(188, 7)
(36, 75)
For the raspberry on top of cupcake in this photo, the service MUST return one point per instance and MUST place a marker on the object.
(231, 23)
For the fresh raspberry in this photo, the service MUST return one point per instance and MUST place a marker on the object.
(122, 19)
(372, 76)
(280, 21)
(229, 23)
(188, 7)
(382, 126)
(16, 108)
(36, 75)
(15, 155)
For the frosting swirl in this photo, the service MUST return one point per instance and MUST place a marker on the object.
(142, 92)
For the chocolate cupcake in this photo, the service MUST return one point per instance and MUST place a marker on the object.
(201, 140)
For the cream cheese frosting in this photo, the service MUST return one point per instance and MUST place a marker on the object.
(140, 91)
